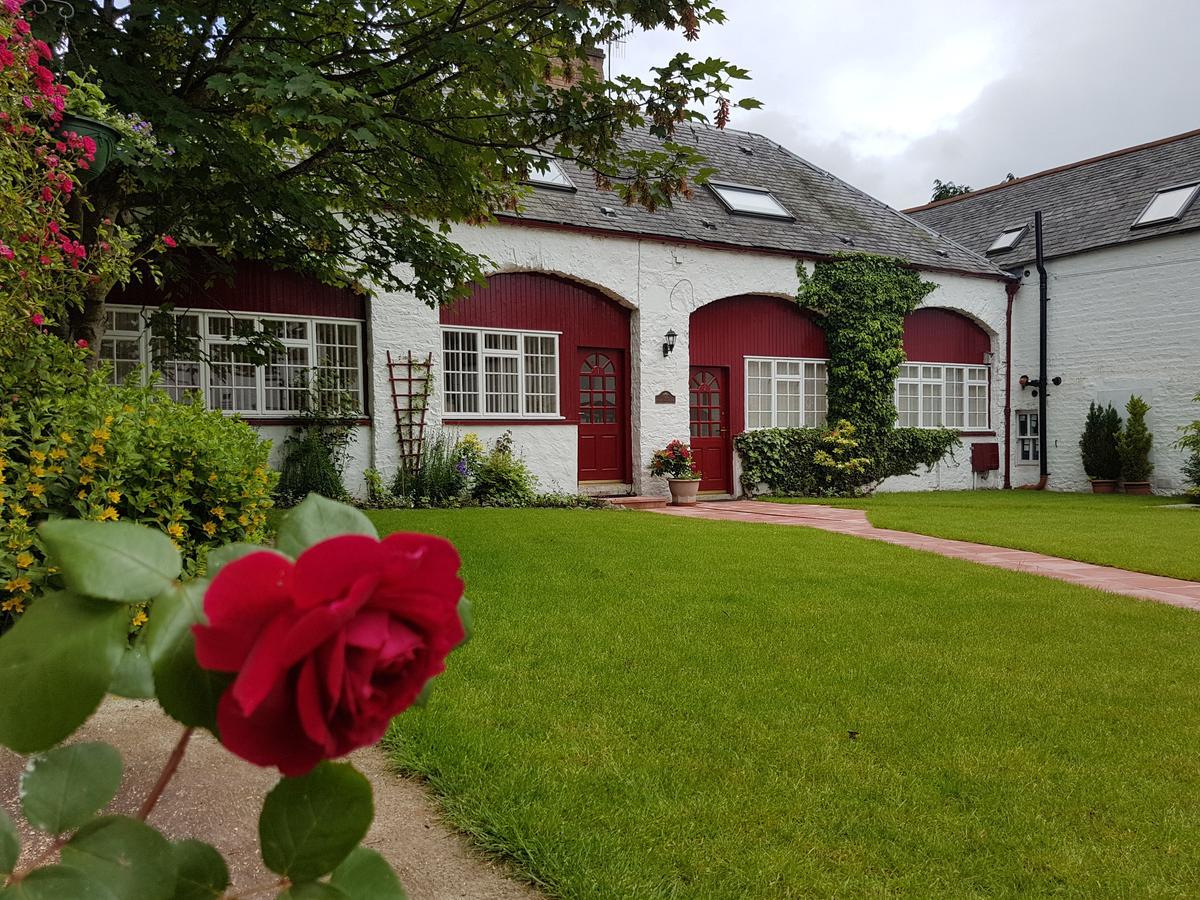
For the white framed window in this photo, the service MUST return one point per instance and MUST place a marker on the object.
(223, 371)
(1029, 437)
(498, 373)
(785, 393)
(942, 395)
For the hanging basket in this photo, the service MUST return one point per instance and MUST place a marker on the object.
(105, 136)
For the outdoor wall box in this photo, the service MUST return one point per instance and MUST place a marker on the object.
(985, 457)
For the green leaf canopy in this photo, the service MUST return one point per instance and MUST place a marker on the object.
(340, 139)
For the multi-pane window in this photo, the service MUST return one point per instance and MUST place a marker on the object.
(934, 395)
(785, 393)
(502, 374)
(205, 354)
(121, 346)
(1028, 437)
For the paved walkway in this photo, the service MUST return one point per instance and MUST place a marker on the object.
(216, 797)
(1159, 588)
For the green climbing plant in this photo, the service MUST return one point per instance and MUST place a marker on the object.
(862, 299)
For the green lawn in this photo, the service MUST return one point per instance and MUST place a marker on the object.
(1113, 530)
(661, 707)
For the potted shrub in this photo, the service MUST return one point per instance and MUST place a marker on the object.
(1098, 447)
(1134, 445)
(676, 463)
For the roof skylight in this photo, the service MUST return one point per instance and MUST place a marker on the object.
(554, 175)
(1168, 205)
(1008, 239)
(749, 201)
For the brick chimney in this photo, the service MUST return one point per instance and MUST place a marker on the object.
(595, 59)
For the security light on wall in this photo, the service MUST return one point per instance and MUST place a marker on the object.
(669, 342)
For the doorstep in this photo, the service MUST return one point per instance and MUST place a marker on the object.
(639, 502)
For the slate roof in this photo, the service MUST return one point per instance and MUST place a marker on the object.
(1085, 205)
(830, 215)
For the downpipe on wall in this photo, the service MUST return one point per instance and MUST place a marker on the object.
(1043, 380)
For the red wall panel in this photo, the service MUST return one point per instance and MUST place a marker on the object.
(941, 335)
(723, 333)
(255, 287)
(538, 302)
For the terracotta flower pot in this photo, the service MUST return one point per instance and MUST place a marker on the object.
(1104, 486)
(683, 491)
(1137, 487)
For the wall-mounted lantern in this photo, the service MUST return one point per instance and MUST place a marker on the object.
(669, 342)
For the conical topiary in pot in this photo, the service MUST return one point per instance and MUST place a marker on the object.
(1098, 447)
(1135, 444)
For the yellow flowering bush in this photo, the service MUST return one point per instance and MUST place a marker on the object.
(72, 446)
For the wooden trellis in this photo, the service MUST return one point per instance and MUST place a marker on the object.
(411, 379)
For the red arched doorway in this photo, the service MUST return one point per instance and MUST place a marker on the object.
(752, 357)
(586, 385)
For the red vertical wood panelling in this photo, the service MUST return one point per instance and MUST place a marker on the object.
(723, 333)
(255, 287)
(537, 302)
(942, 335)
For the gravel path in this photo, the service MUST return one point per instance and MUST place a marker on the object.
(216, 797)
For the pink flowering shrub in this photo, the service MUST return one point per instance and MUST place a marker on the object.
(45, 264)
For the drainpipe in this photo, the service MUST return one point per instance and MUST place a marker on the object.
(1043, 375)
(1011, 289)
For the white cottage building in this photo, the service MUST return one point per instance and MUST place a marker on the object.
(1121, 236)
(606, 331)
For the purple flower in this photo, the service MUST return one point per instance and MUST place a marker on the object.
(461, 467)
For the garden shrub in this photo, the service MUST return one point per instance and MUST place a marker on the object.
(1135, 442)
(835, 461)
(308, 468)
(503, 479)
(440, 479)
(379, 495)
(315, 455)
(72, 446)
(569, 501)
(1099, 443)
(1189, 442)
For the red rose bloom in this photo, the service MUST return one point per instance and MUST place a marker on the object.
(329, 648)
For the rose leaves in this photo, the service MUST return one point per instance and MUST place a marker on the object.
(317, 519)
(74, 646)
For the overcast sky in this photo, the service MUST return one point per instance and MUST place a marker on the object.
(890, 94)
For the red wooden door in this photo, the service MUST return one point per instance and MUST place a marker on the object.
(708, 404)
(602, 418)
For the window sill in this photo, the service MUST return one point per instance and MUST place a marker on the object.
(977, 434)
(290, 421)
(517, 421)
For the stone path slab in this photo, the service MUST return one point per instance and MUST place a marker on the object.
(1159, 588)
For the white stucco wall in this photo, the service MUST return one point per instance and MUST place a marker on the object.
(662, 284)
(1123, 320)
(358, 459)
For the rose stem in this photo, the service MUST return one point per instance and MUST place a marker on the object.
(168, 772)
